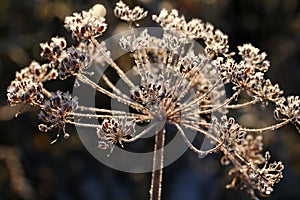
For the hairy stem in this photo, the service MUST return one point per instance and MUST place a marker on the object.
(157, 169)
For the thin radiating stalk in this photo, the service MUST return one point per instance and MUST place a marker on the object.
(184, 90)
(111, 85)
(144, 132)
(187, 106)
(201, 112)
(157, 169)
(128, 116)
(192, 121)
(241, 105)
(193, 127)
(83, 124)
(192, 147)
(110, 61)
(191, 82)
(101, 110)
(268, 128)
(234, 106)
(87, 81)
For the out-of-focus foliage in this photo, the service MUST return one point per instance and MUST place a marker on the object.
(67, 171)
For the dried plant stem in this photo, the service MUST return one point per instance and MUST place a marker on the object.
(206, 134)
(217, 107)
(101, 110)
(192, 147)
(137, 117)
(157, 169)
(110, 61)
(144, 132)
(188, 106)
(296, 125)
(235, 106)
(192, 80)
(227, 101)
(83, 124)
(268, 128)
(110, 84)
(186, 89)
(87, 81)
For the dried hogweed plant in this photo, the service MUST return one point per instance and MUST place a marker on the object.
(178, 86)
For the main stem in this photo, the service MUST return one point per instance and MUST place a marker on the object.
(157, 168)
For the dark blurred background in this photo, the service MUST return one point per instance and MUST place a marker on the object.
(31, 168)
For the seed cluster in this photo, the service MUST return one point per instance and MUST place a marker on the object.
(113, 131)
(53, 50)
(123, 12)
(288, 108)
(86, 25)
(215, 40)
(151, 91)
(24, 91)
(72, 63)
(56, 112)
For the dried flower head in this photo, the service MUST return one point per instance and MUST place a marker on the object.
(253, 58)
(24, 91)
(231, 133)
(53, 50)
(37, 73)
(86, 25)
(113, 131)
(57, 112)
(170, 20)
(265, 91)
(123, 12)
(216, 42)
(151, 91)
(289, 108)
(253, 178)
(72, 62)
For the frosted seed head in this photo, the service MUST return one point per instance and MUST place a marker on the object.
(56, 111)
(123, 12)
(113, 131)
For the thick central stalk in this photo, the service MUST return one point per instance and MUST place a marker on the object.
(157, 169)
